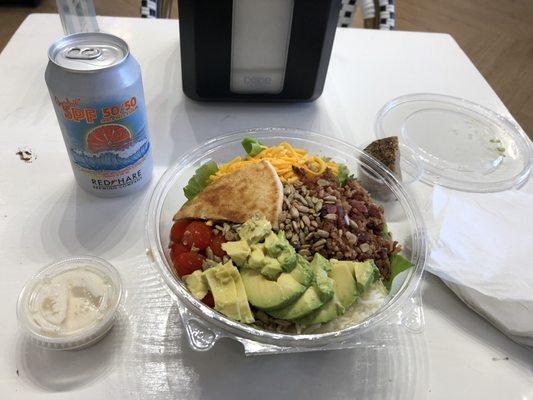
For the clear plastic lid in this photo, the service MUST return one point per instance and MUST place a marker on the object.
(71, 303)
(461, 145)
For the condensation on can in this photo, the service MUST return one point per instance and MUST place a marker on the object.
(96, 89)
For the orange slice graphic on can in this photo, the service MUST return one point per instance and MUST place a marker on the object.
(108, 137)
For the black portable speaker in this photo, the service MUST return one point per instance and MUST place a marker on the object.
(256, 50)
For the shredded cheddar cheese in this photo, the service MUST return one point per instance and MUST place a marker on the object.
(283, 158)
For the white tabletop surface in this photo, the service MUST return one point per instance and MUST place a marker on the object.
(44, 216)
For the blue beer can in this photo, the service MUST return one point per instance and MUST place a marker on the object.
(97, 92)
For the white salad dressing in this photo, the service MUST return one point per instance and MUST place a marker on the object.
(70, 301)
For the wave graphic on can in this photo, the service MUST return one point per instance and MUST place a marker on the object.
(111, 160)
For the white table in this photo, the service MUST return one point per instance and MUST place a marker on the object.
(45, 216)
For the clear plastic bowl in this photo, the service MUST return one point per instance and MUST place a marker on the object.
(204, 325)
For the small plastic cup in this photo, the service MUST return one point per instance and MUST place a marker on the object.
(86, 335)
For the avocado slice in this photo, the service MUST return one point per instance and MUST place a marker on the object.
(247, 316)
(270, 295)
(345, 286)
(323, 283)
(228, 292)
(197, 284)
(315, 296)
(257, 257)
(271, 268)
(238, 251)
(345, 292)
(278, 246)
(254, 230)
(268, 266)
(312, 298)
(331, 309)
(287, 259)
(366, 274)
(304, 305)
(303, 272)
(224, 290)
(273, 245)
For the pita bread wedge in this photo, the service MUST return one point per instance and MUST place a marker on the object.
(236, 197)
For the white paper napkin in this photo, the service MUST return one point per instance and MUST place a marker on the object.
(482, 247)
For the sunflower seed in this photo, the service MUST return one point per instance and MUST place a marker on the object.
(294, 212)
(314, 224)
(309, 237)
(304, 252)
(208, 264)
(330, 198)
(300, 198)
(353, 224)
(319, 243)
(318, 205)
(303, 209)
(306, 220)
(331, 217)
(288, 235)
(323, 182)
(322, 233)
(295, 226)
(302, 237)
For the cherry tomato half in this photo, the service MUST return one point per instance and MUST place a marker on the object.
(197, 234)
(208, 300)
(176, 249)
(187, 263)
(216, 245)
(176, 233)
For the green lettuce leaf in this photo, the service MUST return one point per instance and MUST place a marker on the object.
(343, 175)
(252, 146)
(386, 233)
(398, 264)
(200, 180)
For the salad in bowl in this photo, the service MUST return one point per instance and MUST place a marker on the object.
(282, 239)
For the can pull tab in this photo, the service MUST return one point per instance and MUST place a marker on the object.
(83, 53)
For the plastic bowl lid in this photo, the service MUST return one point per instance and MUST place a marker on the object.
(462, 145)
(65, 289)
